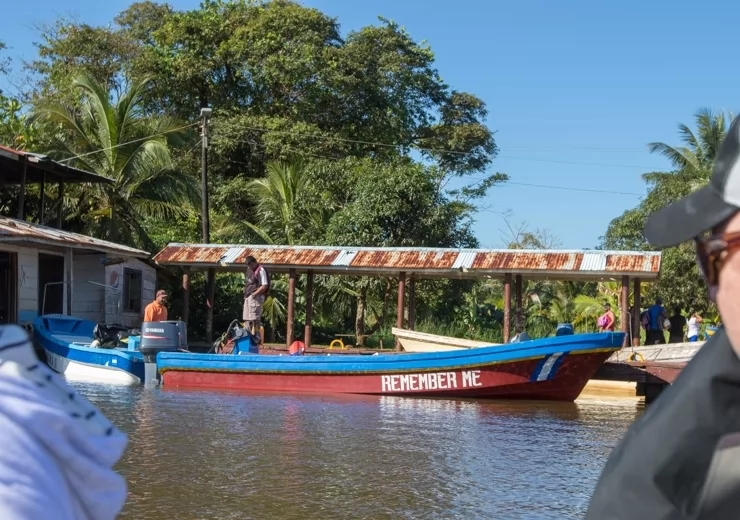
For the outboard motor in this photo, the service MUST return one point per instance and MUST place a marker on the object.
(160, 336)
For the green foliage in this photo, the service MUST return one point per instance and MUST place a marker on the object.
(119, 142)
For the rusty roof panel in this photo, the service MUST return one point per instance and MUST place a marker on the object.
(297, 256)
(464, 260)
(191, 254)
(593, 261)
(526, 261)
(401, 259)
(633, 263)
(13, 230)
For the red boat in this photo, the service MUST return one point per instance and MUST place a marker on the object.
(555, 368)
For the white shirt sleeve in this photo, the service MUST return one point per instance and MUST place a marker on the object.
(262, 276)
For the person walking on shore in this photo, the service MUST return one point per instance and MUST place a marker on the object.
(693, 326)
(681, 458)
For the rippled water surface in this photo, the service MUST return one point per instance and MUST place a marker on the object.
(216, 455)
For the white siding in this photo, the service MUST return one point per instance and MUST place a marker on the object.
(28, 287)
(88, 299)
(114, 312)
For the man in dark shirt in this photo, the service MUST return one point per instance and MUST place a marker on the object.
(256, 288)
(681, 459)
(678, 322)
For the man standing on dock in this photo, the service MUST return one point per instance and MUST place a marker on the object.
(256, 289)
(681, 459)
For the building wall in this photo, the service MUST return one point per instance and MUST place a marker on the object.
(114, 275)
(88, 299)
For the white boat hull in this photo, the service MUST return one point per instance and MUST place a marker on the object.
(412, 341)
(84, 372)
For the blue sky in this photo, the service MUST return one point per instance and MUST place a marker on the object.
(575, 89)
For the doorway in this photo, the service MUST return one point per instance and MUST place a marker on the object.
(51, 276)
(8, 288)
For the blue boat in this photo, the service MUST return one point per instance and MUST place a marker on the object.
(72, 350)
(554, 368)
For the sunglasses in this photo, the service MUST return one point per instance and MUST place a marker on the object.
(711, 253)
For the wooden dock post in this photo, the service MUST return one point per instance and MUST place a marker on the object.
(290, 329)
(625, 308)
(309, 308)
(507, 306)
(399, 314)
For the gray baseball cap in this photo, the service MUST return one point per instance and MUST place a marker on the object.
(706, 207)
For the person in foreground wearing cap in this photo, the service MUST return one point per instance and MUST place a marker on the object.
(156, 311)
(681, 459)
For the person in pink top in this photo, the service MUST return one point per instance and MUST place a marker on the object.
(607, 320)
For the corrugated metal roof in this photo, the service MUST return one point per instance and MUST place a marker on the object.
(344, 258)
(523, 260)
(297, 257)
(406, 259)
(593, 262)
(192, 254)
(464, 260)
(425, 261)
(20, 231)
(37, 166)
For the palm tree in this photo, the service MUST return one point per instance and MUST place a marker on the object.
(695, 159)
(119, 141)
(277, 197)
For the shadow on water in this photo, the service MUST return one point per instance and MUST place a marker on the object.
(221, 454)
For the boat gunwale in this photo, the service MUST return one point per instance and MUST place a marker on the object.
(49, 337)
(162, 367)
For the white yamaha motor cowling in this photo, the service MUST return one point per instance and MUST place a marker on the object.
(160, 336)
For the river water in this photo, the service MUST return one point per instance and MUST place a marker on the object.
(220, 455)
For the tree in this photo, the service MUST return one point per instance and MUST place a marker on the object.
(680, 283)
(281, 217)
(286, 88)
(117, 141)
(68, 51)
(4, 61)
(16, 129)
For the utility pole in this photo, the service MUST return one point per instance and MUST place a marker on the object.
(205, 118)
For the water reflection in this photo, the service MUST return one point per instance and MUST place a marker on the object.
(196, 454)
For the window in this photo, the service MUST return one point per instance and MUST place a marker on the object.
(131, 290)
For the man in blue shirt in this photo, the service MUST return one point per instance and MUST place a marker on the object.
(656, 316)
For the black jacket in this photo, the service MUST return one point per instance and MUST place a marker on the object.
(671, 463)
